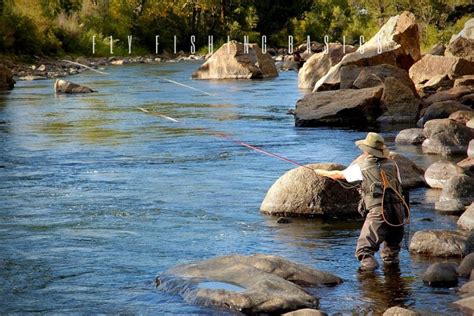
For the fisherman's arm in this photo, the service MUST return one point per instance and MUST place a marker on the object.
(350, 174)
(333, 174)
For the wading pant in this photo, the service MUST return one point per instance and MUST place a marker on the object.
(374, 232)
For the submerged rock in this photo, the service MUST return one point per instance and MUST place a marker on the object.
(441, 274)
(410, 136)
(63, 86)
(301, 192)
(399, 39)
(440, 243)
(232, 62)
(249, 284)
(339, 107)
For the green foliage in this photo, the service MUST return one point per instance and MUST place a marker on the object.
(55, 27)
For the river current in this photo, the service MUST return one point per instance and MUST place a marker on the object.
(97, 197)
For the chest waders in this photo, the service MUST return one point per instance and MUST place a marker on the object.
(381, 188)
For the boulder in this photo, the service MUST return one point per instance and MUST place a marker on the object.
(458, 191)
(441, 274)
(466, 221)
(440, 243)
(442, 109)
(231, 61)
(438, 173)
(412, 176)
(339, 108)
(462, 44)
(464, 81)
(301, 192)
(466, 266)
(400, 46)
(451, 94)
(399, 311)
(356, 77)
(64, 86)
(319, 64)
(462, 116)
(446, 137)
(398, 104)
(430, 66)
(436, 83)
(306, 312)
(466, 305)
(410, 136)
(6, 78)
(248, 284)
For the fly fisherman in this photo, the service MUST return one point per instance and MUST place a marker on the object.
(382, 202)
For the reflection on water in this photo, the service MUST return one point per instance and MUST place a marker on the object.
(98, 197)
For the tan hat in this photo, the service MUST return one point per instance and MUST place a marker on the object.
(374, 145)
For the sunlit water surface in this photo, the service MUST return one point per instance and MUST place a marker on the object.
(97, 198)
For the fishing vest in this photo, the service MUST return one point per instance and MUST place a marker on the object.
(372, 187)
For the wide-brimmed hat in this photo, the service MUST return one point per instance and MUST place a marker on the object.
(374, 145)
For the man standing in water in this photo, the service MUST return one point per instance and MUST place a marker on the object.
(383, 208)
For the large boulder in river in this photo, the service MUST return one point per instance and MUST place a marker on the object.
(446, 137)
(396, 43)
(462, 44)
(410, 136)
(412, 176)
(466, 220)
(398, 104)
(431, 66)
(231, 61)
(441, 274)
(438, 173)
(457, 193)
(441, 243)
(248, 284)
(64, 86)
(442, 109)
(301, 192)
(6, 78)
(319, 64)
(339, 107)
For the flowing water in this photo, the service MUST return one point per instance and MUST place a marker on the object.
(97, 198)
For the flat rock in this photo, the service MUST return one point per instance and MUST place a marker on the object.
(64, 86)
(438, 173)
(410, 136)
(248, 284)
(398, 104)
(443, 109)
(466, 221)
(440, 243)
(301, 192)
(400, 42)
(412, 175)
(399, 311)
(339, 108)
(441, 274)
(451, 94)
(231, 61)
(446, 137)
(466, 266)
(319, 64)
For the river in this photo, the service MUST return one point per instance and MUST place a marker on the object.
(97, 197)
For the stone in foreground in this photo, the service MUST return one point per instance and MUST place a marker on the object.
(231, 61)
(441, 274)
(441, 243)
(64, 86)
(301, 192)
(248, 284)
